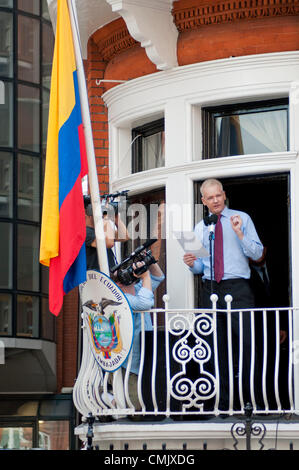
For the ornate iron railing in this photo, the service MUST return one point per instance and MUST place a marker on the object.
(181, 366)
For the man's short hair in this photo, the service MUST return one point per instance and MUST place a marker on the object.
(210, 182)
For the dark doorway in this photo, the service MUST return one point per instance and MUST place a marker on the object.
(266, 199)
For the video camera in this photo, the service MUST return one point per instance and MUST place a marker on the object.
(108, 203)
(126, 274)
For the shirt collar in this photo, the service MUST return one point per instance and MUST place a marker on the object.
(224, 213)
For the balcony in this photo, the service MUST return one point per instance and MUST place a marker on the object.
(194, 390)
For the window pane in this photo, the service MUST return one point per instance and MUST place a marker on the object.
(48, 322)
(32, 6)
(256, 132)
(28, 257)
(6, 255)
(48, 48)
(153, 151)
(28, 118)
(55, 408)
(18, 407)
(6, 184)
(6, 117)
(45, 279)
(6, 3)
(6, 44)
(45, 10)
(28, 188)
(54, 435)
(148, 149)
(5, 315)
(28, 49)
(27, 316)
(46, 97)
(16, 438)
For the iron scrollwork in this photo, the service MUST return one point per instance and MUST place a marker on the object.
(247, 429)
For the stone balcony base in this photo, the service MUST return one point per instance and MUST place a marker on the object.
(281, 433)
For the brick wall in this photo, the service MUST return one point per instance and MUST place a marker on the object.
(239, 38)
(95, 70)
(67, 325)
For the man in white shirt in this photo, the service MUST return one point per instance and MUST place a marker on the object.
(239, 241)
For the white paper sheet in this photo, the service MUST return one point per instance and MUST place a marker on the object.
(191, 244)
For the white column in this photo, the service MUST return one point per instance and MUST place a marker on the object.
(179, 216)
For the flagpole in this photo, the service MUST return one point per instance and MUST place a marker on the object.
(92, 169)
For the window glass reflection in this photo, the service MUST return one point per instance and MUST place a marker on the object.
(252, 133)
(54, 435)
(28, 187)
(28, 258)
(45, 10)
(27, 316)
(153, 151)
(6, 184)
(45, 111)
(6, 3)
(48, 321)
(6, 116)
(6, 44)
(31, 6)
(6, 255)
(16, 438)
(28, 118)
(28, 49)
(47, 54)
(5, 315)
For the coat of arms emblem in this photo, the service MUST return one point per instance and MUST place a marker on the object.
(109, 320)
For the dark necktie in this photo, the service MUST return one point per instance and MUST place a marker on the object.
(218, 251)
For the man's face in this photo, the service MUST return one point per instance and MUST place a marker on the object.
(214, 198)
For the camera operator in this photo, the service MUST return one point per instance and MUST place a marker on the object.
(140, 296)
(114, 230)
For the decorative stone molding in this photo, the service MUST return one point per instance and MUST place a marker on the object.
(190, 14)
(113, 39)
(151, 23)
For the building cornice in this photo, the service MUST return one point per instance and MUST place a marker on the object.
(191, 14)
(113, 39)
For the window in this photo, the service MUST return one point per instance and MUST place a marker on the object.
(6, 179)
(6, 116)
(5, 318)
(29, 49)
(6, 255)
(32, 6)
(26, 52)
(148, 146)
(17, 437)
(29, 118)
(6, 44)
(29, 423)
(28, 188)
(248, 128)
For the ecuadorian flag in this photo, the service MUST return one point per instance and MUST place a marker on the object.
(63, 232)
